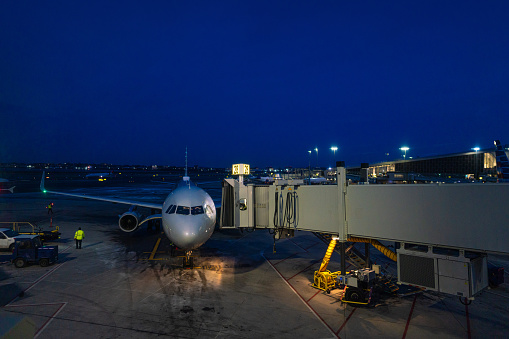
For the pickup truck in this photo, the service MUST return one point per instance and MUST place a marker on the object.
(29, 249)
(8, 238)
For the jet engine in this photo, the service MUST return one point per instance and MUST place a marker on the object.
(129, 221)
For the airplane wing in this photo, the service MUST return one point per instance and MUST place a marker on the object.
(112, 200)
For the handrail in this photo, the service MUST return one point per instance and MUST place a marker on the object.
(16, 225)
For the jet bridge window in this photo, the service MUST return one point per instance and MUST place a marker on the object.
(197, 210)
(171, 209)
(183, 210)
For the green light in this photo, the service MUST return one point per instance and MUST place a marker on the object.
(44, 191)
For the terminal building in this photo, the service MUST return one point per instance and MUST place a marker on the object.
(481, 165)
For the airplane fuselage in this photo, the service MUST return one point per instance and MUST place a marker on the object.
(188, 216)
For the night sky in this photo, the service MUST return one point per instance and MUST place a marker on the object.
(259, 82)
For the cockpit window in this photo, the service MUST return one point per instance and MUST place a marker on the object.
(171, 209)
(197, 210)
(209, 210)
(183, 210)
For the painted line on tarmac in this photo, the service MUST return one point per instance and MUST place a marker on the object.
(314, 295)
(299, 246)
(300, 297)
(296, 274)
(280, 261)
(409, 317)
(347, 318)
(39, 331)
(50, 319)
(35, 282)
(468, 322)
(155, 249)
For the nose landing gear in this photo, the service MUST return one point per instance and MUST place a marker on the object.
(188, 261)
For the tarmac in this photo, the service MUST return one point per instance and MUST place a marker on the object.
(129, 285)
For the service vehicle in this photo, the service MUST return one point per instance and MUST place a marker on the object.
(31, 229)
(8, 238)
(29, 249)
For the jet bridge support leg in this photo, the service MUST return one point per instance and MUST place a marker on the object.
(343, 259)
(366, 251)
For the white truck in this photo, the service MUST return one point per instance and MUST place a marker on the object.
(7, 238)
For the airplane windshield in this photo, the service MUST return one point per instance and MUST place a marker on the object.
(171, 209)
(183, 210)
(197, 210)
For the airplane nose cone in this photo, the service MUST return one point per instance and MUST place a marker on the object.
(189, 235)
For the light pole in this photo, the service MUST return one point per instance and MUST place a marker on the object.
(309, 168)
(334, 149)
(476, 149)
(404, 149)
(316, 149)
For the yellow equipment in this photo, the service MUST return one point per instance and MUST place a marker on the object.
(25, 227)
(378, 245)
(324, 279)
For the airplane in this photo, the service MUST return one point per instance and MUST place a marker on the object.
(502, 163)
(188, 214)
(99, 175)
(8, 189)
(2, 180)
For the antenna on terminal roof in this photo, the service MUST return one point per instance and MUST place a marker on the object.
(186, 178)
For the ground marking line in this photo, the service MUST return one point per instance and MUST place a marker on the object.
(286, 258)
(316, 243)
(300, 297)
(468, 321)
(155, 249)
(409, 317)
(347, 318)
(296, 274)
(39, 331)
(314, 295)
(36, 282)
(293, 242)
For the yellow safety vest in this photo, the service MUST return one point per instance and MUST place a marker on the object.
(79, 235)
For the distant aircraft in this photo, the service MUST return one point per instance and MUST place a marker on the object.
(2, 180)
(8, 189)
(188, 214)
(99, 175)
(502, 163)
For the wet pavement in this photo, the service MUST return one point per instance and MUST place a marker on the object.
(123, 285)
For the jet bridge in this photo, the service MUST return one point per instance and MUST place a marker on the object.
(427, 219)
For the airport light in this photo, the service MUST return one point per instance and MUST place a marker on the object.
(476, 149)
(404, 149)
(309, 166)
(334, 149)
(316, 149)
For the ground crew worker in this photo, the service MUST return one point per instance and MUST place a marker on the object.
(50, 208)
(78, 236)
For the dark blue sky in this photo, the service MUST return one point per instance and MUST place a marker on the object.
(260, 82)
